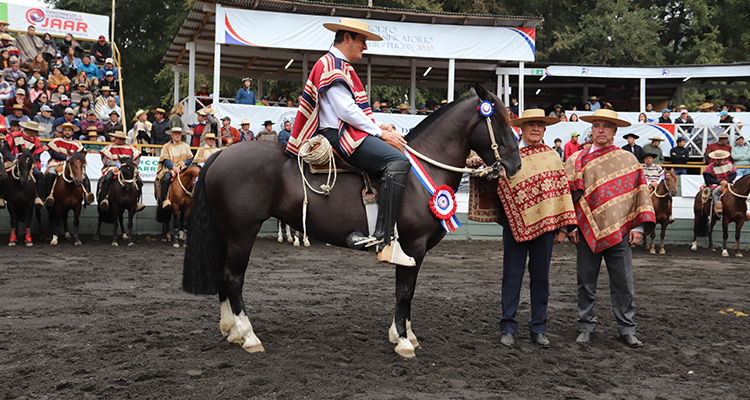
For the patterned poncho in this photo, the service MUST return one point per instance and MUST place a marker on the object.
(327, 71)
(537, 200)
(63, 146)
(610, 195)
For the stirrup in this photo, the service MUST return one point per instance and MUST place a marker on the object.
(393, 254)
(38, 203)
(140, 207)
(166, 204)
(104, 205)
(2, 203)
(358, 241)
(49, 201)
(89, 197)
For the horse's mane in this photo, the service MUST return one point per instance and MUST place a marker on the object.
(742, 179)
(427, 122)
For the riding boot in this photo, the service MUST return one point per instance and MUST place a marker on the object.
(40, 189)
(104, 192)
(87, 187)
(139, 184)
(165, 183)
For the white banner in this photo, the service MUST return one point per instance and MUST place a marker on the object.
(708, 71)
(306, 32)
(55, 22)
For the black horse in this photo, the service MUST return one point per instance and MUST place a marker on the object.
(123, 196)
(19, 193)
(241, 187)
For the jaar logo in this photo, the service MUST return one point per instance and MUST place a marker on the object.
(34, 16)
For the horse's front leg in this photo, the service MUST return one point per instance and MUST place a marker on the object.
(114, 225)
(131, 214)
(29, 217)
(724, 236)
(737, 232)
(234, 322)
(663, 235)
(14, 223)
(64, 218)
(54, 226)
(651, 248)
(76, 224)
(280, 237)
(400, 331)
(175, 225)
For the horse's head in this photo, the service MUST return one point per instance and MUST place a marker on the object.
(24, 165)
(127, 172)
(509, 161)
(75, 165)
(671, 180)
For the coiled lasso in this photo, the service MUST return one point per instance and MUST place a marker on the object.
(316, 151)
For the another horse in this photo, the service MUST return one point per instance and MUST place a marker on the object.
(734, 209)
(289, 237)
(181, 196)
(123, 195)
(244, 185)
(68, 195)
(19, 193)
(662, 200)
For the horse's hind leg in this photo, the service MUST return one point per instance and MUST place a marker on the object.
(663, 235)
(131, 214)
(64, 217)
(76, 224)
(737, 232)
(175, 226)
(114, 225)
(400, 331)
(651, 248)
(234, 322)
(27, 222)
(280, 237)
(724, 236)
(54, 230)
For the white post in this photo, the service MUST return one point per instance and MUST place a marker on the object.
(219, 32)
(413, 88)
(521, 77)
(112, 37)
(506, 89)
(643, 94)
(176, 87)
(451, 78)
(191, 79)
(499, 88)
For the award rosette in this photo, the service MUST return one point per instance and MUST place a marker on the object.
(443, 202)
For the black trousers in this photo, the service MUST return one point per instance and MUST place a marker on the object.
(372, 155)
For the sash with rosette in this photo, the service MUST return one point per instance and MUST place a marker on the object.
(443, 201)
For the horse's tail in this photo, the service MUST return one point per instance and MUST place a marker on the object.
(206, 246)
(702, 228)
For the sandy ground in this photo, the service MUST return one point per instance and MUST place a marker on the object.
(97, 322)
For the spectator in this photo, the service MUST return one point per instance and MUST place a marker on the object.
(4, 59)
(4, 27)
(58, 61)
(108, 108)
(112, 125)
(41, 97)
(17, 114)
(403, 108)
(707, 107)
(685, 119)
(384, 107)
(290, 103)
(264, 101)
(421, 110)
(558, 148)
(655, 149)
(202, 98)
(114, 85)
(376, 106)
(245, 95)
(101, 100)
(159, 128)
(587, 107)
(725, 119)
(285, 133)
(738, 108)
(227, 134)
(199, 128)
(14, 72)
(722, 144)
(141, 128)
(594, 103)
(664, 119)
(39, 63)
(92, 122)
(57, 95)
(245, 133)
(20, 84)
(649, 107)
(30, 45)
(741, 156)
(93, 136)
(50, 48)
(81, 111)
(557, 112)
(68, 117)
(6, 92)
(175, 120)
(643, 119)
(58, 110)
(58, 79)
(70, 43)
(268, 133)
(82, 93)
(45, 120)
(634, 148)
(92, 71)
(573, 118)
(680, 155)
(83, 78)
(572, 146)
(108, 66)
(100, 50)
(35, 76)
(513, 105)
(6, 44)
(72, 62)
(19, 98)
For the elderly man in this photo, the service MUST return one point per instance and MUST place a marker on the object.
(175, 157)
(228, 135)
(538, 209)
(632, 147)
(572, 146)
(722, 144)
(12, 73)
(112, 125)
(655, 149)
(614, 210)
(30, 44)
(665, 119)
(60, 149)
(335, 105)
(17, 115)
(45, 120)
(718, 174)
(205, 151)
(111, 156)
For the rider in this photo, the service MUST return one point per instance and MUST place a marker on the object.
(175, 157)
(206, 150)
(334, 104)
(111, 167)
(60, 149)
(653, 173)
(718, 174)
(16, 141)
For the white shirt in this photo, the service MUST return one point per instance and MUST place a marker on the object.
(337, 103)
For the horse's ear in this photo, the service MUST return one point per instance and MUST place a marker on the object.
(481, 91)
(472, 92)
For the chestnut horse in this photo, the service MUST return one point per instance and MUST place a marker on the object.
(734, 209)
(662, 200)
(181, 196)
(244, 185)
(68, 195)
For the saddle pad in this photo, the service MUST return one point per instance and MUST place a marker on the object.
(484, 203)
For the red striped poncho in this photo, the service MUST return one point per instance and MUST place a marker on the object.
(63, 146)
(327, 71)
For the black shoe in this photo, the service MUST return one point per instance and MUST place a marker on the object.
(583, 337)
(508, 340)
(631, 341)
(540, 340)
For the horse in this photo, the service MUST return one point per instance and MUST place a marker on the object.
(181, 196)
(3, 173)
(68, 194)
(280, 237)
(232, 200)
(19, 193)
(122, 196)
(734, 209)
(662, 200)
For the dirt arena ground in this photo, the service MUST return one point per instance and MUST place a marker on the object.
(97, 322)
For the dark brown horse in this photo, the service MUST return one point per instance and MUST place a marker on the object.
(734, 209)
(123, 196)
(19, 192)
(181, 196)
(662, 200)
(68, 195)
(244, 185)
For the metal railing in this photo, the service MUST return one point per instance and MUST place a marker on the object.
(699, 136)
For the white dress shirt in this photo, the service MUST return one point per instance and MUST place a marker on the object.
(337, 103)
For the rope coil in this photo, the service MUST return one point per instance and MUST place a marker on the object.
(316, 151)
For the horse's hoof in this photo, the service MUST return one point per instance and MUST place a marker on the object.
(131, 244)
(176, 245)
(53, 242)
(184, 244)
(125, 236)
(67, 235)
(694, 247)
(96, 238)
(632, 245)
(11, 244)
(405, 348)
(738, 254)
(280, 239)
(652, 250)
(29, 244)
(254, 349)
(296, 243)
(77, 242)
(115, 244)
(289, 239)
(724, 253)
(662, 251)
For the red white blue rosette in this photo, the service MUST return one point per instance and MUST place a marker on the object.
(485, 108)
(443, 202)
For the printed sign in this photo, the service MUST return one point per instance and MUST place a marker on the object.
(55, 22)
(148, 167)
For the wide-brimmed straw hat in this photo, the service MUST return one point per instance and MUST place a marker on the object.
(32, 125)
(403, 106)
(659, 138)
(534, 114)
(209, 136)
(606, 115)
(245, 122)
(723, 136)
(120, 134)
(353, 25)
(706, 106)
(5, 36)
(176, 129)
(69, 125)
(719, 154)
(92, 130)
(159, 110)
(138, 114)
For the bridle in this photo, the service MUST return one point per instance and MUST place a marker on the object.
(124, 181)
(666, 186)
(189, 192)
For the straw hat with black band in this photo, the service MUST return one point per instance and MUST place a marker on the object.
(355, 26)
(606, 115)
(535, 114)
(719, 154)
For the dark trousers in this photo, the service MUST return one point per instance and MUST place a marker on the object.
(619, 262)
(372, 155)
(539, 252)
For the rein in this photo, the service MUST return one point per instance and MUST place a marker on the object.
(15, 173)
(733, 192)
(67, 168)
(661, 196)
(123, 181)
(189, 192)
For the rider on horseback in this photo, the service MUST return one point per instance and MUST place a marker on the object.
(718, 175)
(334, 104)
(16, 141)
(111, 159)
(60, 149)
(175, 157)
